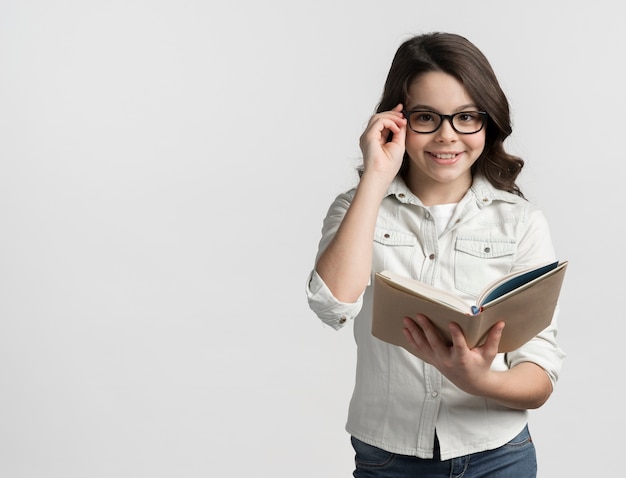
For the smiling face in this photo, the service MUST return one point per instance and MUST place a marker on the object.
(439, 170)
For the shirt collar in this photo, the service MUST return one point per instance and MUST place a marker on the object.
(481, 189)
(485, 193)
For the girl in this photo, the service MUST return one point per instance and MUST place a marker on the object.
(437, 201)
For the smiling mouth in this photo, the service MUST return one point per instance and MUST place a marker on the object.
(445, 156)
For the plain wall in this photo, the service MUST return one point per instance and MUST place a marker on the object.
(165, 167)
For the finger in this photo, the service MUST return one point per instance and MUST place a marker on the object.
(393, 120)
(392, 126)
(394, 114)
(432, 334)
(419, 348)
(380, 127)
(398, 109)
(414, 333)
(384, 134)
(412, 327)
(399, 137)
(492, 343)
(458, 338)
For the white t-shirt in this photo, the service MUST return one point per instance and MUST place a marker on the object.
(442, 214)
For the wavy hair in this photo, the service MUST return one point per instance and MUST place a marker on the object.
(455, 55)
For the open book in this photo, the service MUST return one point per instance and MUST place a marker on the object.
(525, 300)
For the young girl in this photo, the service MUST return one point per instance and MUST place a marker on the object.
(437, 201)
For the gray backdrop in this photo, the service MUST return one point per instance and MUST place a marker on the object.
(165, 168)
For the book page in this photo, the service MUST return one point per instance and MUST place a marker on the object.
(513, 281)
(421, 289)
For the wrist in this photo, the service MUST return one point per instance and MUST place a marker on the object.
(375, 182)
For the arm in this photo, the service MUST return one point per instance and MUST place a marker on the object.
(524, 386)
(345, 265)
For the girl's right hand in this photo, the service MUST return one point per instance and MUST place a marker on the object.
(346, 263)
(381, 156)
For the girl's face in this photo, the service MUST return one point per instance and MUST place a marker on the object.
(440, 162)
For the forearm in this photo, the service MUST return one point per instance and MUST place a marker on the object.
(345, 265)
(525, 386)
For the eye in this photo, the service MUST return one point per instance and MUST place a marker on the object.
(423, 117)
(468, 116)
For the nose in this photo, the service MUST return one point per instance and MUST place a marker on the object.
(446, 133)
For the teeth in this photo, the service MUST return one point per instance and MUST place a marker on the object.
(445, 156)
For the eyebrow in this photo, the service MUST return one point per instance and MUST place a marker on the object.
(468, 107)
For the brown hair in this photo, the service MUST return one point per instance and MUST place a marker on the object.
(458, 57)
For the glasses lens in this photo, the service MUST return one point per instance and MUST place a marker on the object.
(468, 121)
(424, 121)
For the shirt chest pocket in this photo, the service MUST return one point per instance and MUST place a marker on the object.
(393, 249)
(480, 261)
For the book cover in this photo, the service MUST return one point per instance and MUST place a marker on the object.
(525, 301)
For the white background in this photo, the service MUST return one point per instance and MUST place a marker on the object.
(164, 170)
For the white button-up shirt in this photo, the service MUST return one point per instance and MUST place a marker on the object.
(399, 401)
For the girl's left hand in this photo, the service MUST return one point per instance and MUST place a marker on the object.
(469, 369)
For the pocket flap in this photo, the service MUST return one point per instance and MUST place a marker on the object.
(485, 248)
(390, 237)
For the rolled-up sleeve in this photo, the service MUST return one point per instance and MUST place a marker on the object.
(322, 302)
(330, 311)
(543, 350)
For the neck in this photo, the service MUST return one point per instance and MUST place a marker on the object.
(432, 192)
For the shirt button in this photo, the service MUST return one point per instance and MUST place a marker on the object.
(487, 249)
(427, 215)
(431, 257)
(387, 236)
(343, 320)
(401, 195)
(434, 394)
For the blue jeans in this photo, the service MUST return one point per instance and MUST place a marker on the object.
(516, 459)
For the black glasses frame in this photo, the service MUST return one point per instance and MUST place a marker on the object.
(450, 119)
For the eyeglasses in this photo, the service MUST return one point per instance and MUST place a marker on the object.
(463, 122)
